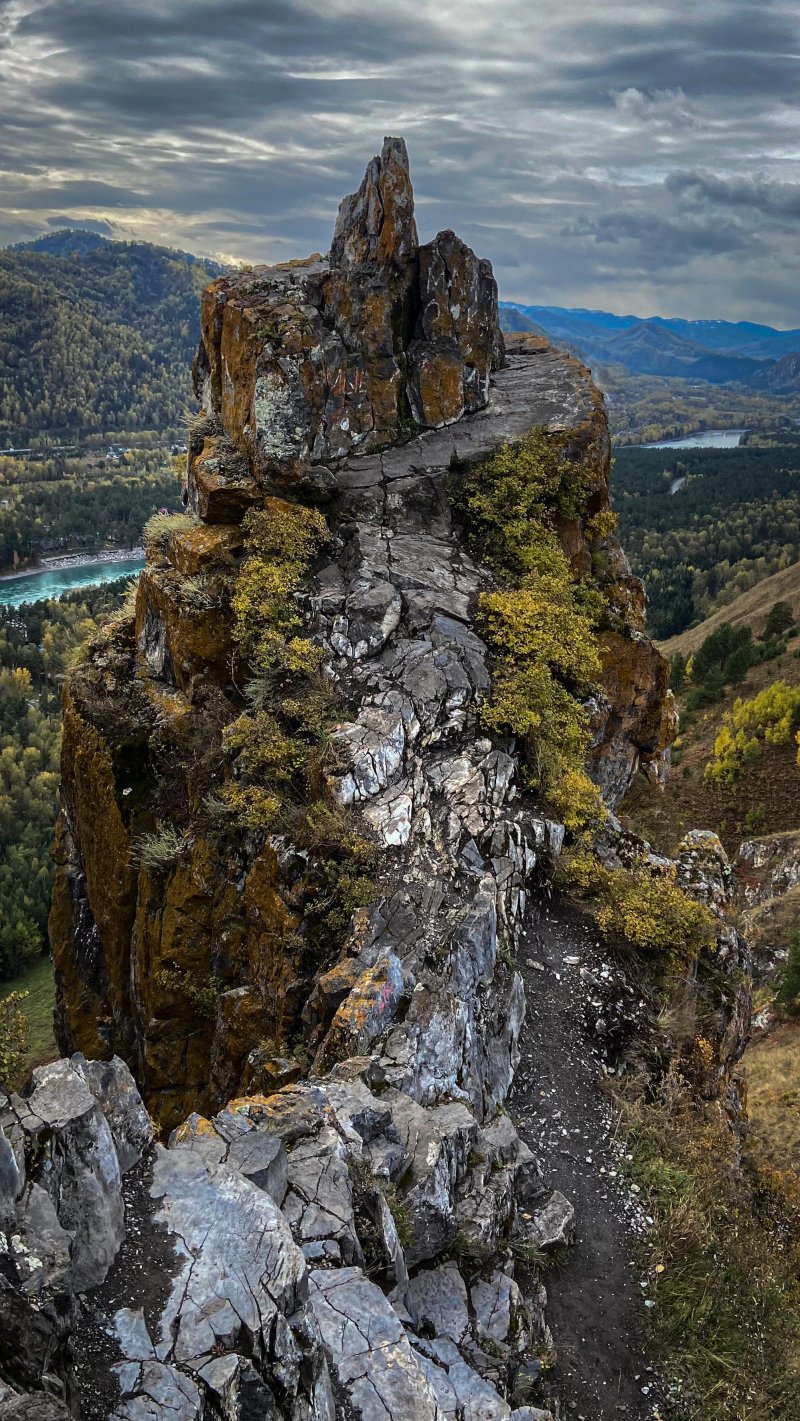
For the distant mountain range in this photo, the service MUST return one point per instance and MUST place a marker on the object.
(717, 351)
(79, 241)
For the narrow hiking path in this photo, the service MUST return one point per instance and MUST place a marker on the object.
(596, 1304)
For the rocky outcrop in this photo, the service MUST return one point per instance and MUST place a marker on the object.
(330, 1231)
(767, 895)
(311, 361)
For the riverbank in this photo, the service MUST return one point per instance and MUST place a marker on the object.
(701, 439)
(64, 561)
(65, 575)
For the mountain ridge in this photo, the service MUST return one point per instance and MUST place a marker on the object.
(98, 340)
(719, 352)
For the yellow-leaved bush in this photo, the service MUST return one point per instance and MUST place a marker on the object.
(541, 622)
(282, 539)
(270, 766)
(654, 914)
(770, 718)
(648, 909)
(268, 763)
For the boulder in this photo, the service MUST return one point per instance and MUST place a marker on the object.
(79, 1166)
(553, 1223)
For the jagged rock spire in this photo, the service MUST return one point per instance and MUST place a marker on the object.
(376, 224)
(306, 363)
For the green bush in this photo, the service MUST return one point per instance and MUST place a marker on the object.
(159, 850)
(201, 993)
(779, 619)
(754, 819)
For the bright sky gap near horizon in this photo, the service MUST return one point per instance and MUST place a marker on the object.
(641, 157)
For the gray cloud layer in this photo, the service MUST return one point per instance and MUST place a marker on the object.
(636, 155)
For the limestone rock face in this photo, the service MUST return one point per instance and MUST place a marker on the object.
(333, 1098)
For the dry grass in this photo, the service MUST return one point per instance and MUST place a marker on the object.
(771, 783)
(749, 609)
(773, 1095)
(721, 1259)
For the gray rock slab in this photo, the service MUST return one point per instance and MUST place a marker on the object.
(370, 1356)
(83, 1176)
(114, 1089)
(437, 1297)
(238, 1265)
(553, 1223)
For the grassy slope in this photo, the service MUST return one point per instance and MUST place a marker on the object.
(773, 1094)
(772, 783)
(749, 609)
(37, 981)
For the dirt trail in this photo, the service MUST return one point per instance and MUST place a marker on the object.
(596, 1305)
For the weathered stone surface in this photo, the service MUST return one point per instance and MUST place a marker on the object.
(460, 1390)
(286, 1253)
(82, 1171)
(217, 1217)
(372, 1363)
(113, 1087)
(30, 1406)
(766, 890)
(634, 722)
(220, 486)
(500, 1314)
(552, 1225)
(437, 1300)
(455, 344)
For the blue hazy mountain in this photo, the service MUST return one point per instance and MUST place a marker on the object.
(717, 351)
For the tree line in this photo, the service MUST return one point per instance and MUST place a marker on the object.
(36, 643)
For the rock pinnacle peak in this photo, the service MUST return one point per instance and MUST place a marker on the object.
(376, 223)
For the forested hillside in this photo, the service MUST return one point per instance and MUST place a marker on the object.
(96, 341)
(37, 642)
(703, 525)
(81, 505)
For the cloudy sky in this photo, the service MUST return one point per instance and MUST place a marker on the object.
(638, 156)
